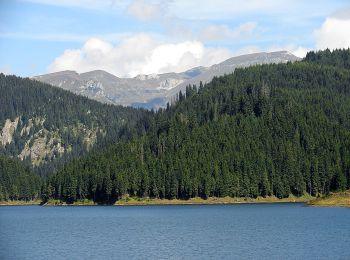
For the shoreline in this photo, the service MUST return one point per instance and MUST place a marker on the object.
(338, 199)
(209, 201)
(131, 201)
(20, 203)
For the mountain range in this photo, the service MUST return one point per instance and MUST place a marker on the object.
(45, 125)
(267, 130)
(154, 90)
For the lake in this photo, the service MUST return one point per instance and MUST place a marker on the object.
(244, 231)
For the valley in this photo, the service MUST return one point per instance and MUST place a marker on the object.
(272, 130)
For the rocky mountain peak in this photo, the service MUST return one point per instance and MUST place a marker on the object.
(153, 90)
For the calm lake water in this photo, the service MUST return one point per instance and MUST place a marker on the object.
(251, 231)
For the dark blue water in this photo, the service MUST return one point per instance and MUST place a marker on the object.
(253, 231)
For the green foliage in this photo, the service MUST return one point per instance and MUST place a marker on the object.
(65, 114)
(339, 58)
(17, 182)
(265, 130)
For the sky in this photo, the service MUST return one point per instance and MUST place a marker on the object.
(132, 37)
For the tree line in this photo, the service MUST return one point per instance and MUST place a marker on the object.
(18, 182)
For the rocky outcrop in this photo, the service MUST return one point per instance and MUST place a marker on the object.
(46, 145)
(42, 148)
(40, 144)
(7, 132)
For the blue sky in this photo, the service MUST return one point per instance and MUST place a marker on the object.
(128, 38)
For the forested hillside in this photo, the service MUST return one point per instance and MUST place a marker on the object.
(265, 130)
(18, 182)
(46, 126)
(339, 58)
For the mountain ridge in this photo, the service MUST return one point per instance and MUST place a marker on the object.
(45, 125)
(269, 130)
(153, 90)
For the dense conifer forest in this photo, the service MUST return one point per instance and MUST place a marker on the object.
(77, 123)
(276, 129)
(18, 182)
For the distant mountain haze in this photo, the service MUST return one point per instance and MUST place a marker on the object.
(154, 90)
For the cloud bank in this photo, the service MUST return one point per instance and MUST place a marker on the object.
(144, 54)
(139, 54)
(335, 31)
(186, 46)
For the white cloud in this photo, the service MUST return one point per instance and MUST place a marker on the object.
(139, 54)
(144, 11)
(222, 32)
(334, 32)
(300, 51)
